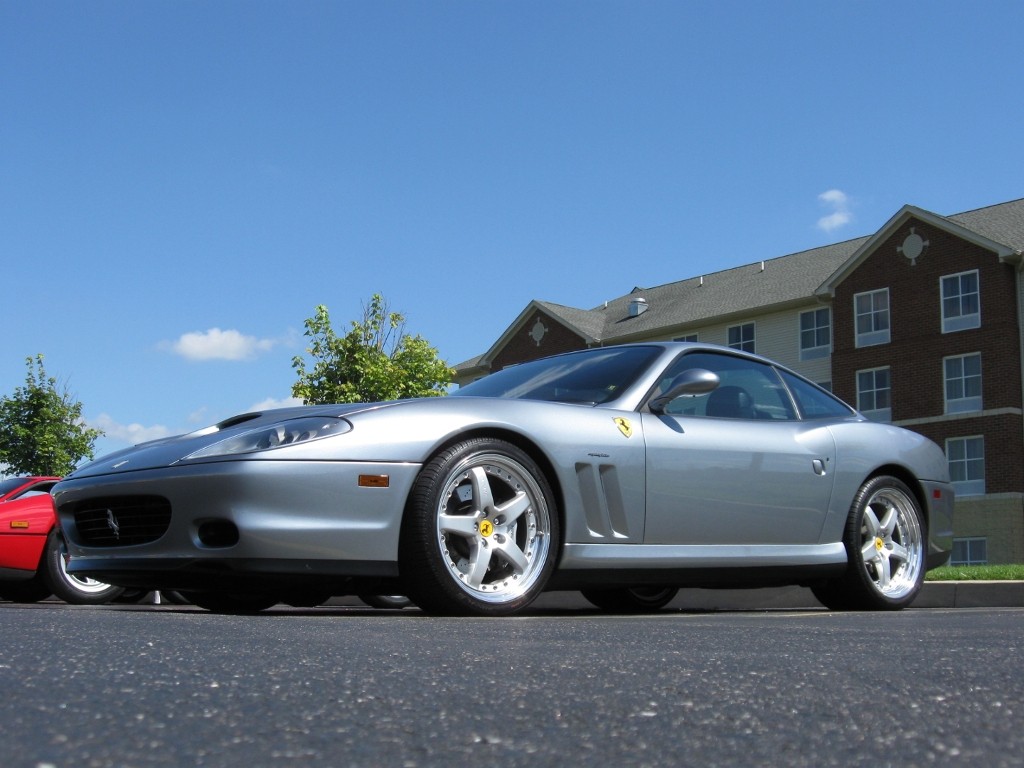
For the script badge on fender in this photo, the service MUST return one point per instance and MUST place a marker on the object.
(624, 426)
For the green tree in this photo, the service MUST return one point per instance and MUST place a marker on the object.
(41, 427)
(375, 361)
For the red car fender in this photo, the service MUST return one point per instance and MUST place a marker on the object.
(24, 526)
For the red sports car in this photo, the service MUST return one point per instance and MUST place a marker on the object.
(32, 552)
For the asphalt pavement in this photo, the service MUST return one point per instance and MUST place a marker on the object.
(173, 685)
(934, 594)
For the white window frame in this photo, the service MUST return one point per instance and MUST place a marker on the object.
(973, 557)
(744, 344)
(965, 403)
(816, 351)
(875, 414)
(971, 484)
(880, 332)
(687, 337)
(961, 321)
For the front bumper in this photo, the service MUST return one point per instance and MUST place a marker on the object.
(939, 498)
(293, 521)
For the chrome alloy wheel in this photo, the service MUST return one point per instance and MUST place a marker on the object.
(892, 542)
(83, 584)
(493, 527)
(70, 587)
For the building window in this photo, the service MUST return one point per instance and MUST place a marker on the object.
(966, 458)
(874, 394)
(815, 333)
(963, 383)
(961, 302)
(871, 317)
(688, 337)
(972, 551)
(742, 337)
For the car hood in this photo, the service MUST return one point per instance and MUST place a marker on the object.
(170, 450)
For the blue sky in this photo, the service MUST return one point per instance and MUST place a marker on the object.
(181, 183)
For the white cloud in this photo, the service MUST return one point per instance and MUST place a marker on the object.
(839, 202)
(198, 416)
(216, 344)
(132, 434)
(270, 403)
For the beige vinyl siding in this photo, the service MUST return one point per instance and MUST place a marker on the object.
(776, 336)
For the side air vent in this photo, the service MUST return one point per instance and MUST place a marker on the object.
(602, 500)
(121, 521)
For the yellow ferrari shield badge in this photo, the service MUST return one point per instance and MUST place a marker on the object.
(486, 528)
(624, 426)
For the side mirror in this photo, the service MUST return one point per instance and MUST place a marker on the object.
(695, 381)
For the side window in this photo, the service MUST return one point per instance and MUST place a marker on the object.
(966, 458)
(815, 333)
(874, 394)
(963, 383)
(749, 389)
(814, 403)
(871, 317)
(961, 302)
(39, 489)
(742, 337)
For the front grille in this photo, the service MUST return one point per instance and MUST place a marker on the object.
(121, 521)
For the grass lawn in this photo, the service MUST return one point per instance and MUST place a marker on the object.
(976, 573)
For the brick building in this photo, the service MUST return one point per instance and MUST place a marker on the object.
(920, 324)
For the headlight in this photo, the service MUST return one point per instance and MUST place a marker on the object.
(276, 436)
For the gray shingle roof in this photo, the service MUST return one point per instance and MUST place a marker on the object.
(740, 290)
(1003, 223)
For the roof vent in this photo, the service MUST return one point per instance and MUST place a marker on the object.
(637, 306)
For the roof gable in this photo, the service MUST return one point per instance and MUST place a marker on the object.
(964, 226)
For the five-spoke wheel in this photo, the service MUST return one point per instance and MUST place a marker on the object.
(885, 545)
(481, 531)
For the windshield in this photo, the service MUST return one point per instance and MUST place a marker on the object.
(8, 485)
(591, 377)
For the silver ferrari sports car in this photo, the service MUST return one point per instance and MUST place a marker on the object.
(625, 472)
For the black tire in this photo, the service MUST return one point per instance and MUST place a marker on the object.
(386, 602)
(886, 540)
(76, 590)
(832, 594)
(227, 602)
(631, 599)
(481, 531)
(30, 591)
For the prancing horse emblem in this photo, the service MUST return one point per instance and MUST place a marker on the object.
(624, 426)
(113, 525)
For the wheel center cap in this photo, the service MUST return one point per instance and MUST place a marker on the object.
(879, 544)
(486, 528)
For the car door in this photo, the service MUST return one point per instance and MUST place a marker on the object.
(735, 466)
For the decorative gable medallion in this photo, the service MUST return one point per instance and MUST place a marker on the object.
(913, 246)
(538, 331)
